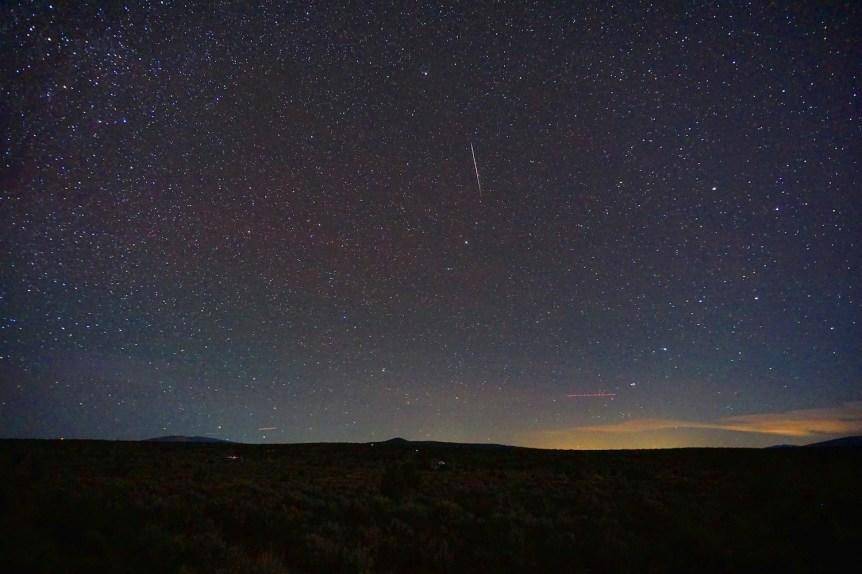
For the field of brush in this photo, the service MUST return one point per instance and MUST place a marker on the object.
(89, 506)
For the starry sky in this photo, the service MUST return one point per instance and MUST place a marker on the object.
(262, 222)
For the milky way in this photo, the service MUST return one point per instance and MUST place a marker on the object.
(262, 222)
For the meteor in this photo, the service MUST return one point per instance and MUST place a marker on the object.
(267, 428)
(591, 395)
(476, 168)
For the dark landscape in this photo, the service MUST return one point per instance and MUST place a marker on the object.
(400, 506)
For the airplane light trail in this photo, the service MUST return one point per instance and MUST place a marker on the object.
(592, 395)
(476, 167)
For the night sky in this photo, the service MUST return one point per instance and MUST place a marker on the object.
(263, 223)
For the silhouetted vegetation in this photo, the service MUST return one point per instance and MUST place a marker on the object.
(201, 508)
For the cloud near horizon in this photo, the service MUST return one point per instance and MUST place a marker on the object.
(797, 424)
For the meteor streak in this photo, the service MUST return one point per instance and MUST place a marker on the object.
(267, 428)
(476, 168)
(591, 395)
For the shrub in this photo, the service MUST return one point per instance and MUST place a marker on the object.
(399, 479)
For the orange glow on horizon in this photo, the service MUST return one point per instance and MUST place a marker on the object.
(758, 429)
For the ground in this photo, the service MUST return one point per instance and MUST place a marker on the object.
(90, 506)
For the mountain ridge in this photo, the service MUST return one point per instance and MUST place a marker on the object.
(187, 439)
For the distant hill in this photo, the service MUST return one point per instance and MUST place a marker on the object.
(843, 442)
(847, 441)
(181, 438)
(398, 441)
